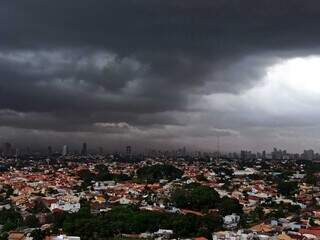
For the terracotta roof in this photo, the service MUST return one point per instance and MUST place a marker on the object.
(186, 211)
(200, 238)
(283, 236)
(261, 228)
(313, 230)
(16, 236)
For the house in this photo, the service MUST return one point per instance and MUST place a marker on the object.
(261, 228)
(14, 235)
(284, 236)
(312, 230)
(63, 237)
(231, 221)
(230, 235)
(165, 233)
(200, 238)
(187, 211)
(64, 206)
(124, 201)
(5, 206)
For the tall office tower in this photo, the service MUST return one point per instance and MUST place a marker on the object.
(128, 150)
(49, 150)
(101, 150)
(65, 150)
(17, 153)
(84, 151)
(7, 149)
(184, 151)
(308, 155)
(28, 150)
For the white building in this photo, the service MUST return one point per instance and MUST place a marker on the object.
(64, 237)
(65, 150)
(231, 221)
(65, 206)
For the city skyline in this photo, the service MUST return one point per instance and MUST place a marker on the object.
(10, 150)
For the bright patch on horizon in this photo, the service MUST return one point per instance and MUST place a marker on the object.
(297, 74)
(290, 87)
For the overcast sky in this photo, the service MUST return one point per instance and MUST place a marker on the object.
(161, 73)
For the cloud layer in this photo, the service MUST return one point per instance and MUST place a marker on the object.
(155, 73)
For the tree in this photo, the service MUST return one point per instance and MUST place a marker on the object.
(294, 209)
(288, 189)
(312, 222)
(57, 219)
(9, 191)
(311, 179)
(31, 221)
(4, 236)
(86, 175)
(229, 206)
(224, 171)
(257, 214)
(130, 219)
(37, 234)
(11, 219)
(39, 207)
(103, 173)
(152, 174)
(201, 178)
(196, 197)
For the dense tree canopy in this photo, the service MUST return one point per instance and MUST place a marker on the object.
(11, 219)
(229, 206)
(129, 219)
(103, 173)
(311, 179)
(100, 173)
(154, 173)
(196, 197)
(288, 189)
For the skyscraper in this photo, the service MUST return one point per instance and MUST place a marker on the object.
(308, 155)
(7, 149)
(128, 150)
(65, 150)
(101, 150)
(84, 151)
(49, 150)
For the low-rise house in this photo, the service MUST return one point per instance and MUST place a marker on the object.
(165, 233)
(231, 221)
(63, 237)
(65, 206)
(15, 235)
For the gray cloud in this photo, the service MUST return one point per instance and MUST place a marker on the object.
(131, 69)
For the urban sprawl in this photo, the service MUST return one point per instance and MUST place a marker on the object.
(84, 194)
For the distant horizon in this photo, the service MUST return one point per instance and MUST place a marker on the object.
(76, 148)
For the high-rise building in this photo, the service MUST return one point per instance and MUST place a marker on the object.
(184, 151)
(128, 150)
(28, 150)
(101, 150)
(16, 153)
(247, 155)
(49, 150)
(84, 151)
(7, 149)
(308, 155)
(65, 150)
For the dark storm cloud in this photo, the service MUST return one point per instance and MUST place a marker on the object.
(180, 40)
(68, 65)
